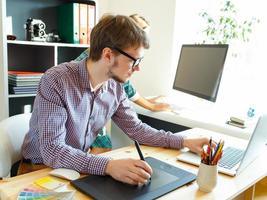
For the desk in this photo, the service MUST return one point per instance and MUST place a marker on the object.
(210, 120)
(227, 187)
(169, 121)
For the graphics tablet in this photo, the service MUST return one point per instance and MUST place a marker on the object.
(164, 179)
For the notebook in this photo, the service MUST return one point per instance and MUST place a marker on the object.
(164, 179)
(234, 159)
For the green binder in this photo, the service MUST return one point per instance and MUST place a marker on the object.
(68, 22)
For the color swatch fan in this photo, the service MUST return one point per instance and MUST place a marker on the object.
(44, 189)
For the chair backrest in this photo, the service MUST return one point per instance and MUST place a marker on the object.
(12, 132)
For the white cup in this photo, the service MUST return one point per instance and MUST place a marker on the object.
(207, 177)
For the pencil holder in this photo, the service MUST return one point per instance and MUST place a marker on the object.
(207, 177)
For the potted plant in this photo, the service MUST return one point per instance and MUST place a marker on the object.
(226, 27)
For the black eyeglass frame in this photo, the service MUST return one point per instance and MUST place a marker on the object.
(136, 61)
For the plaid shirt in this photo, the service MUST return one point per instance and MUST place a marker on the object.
(67, 116)
(103, 140)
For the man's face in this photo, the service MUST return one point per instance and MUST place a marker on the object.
(126, 62)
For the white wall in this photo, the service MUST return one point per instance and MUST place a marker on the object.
(154, 77)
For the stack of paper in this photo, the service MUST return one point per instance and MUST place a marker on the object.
(23, 82)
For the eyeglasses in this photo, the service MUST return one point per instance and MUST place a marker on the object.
(136, 61)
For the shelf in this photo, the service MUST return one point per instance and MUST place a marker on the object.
(21, 95)
(22, 55)
(34, 58)
(53, 44)
(17, 105)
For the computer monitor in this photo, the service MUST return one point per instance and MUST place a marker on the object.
(200, 69)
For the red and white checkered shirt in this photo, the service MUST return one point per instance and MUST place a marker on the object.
(67, 116)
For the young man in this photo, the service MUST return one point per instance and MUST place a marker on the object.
(102, 142)
(75, 100)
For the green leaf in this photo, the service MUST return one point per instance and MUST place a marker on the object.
(226, 26)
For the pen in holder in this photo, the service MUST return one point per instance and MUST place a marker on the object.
(208, 172)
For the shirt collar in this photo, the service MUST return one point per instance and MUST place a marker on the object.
(103, 87)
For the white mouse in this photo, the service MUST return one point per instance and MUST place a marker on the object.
(68, 174)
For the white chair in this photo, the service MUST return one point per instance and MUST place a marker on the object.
(12, 132)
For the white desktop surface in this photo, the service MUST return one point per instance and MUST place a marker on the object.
(206, 118)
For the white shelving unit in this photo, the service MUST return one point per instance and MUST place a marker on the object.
(37, 57)
(3, 63)
(26, 55)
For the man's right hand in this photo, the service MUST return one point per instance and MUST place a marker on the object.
(131, 171)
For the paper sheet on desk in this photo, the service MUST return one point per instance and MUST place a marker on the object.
(176, 109)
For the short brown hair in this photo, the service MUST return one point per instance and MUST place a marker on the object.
(116, 31)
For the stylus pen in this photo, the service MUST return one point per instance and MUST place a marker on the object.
(140, 152)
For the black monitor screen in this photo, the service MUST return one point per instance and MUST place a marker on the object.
(199, 70)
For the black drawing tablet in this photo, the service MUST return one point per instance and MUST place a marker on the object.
(165, 178)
